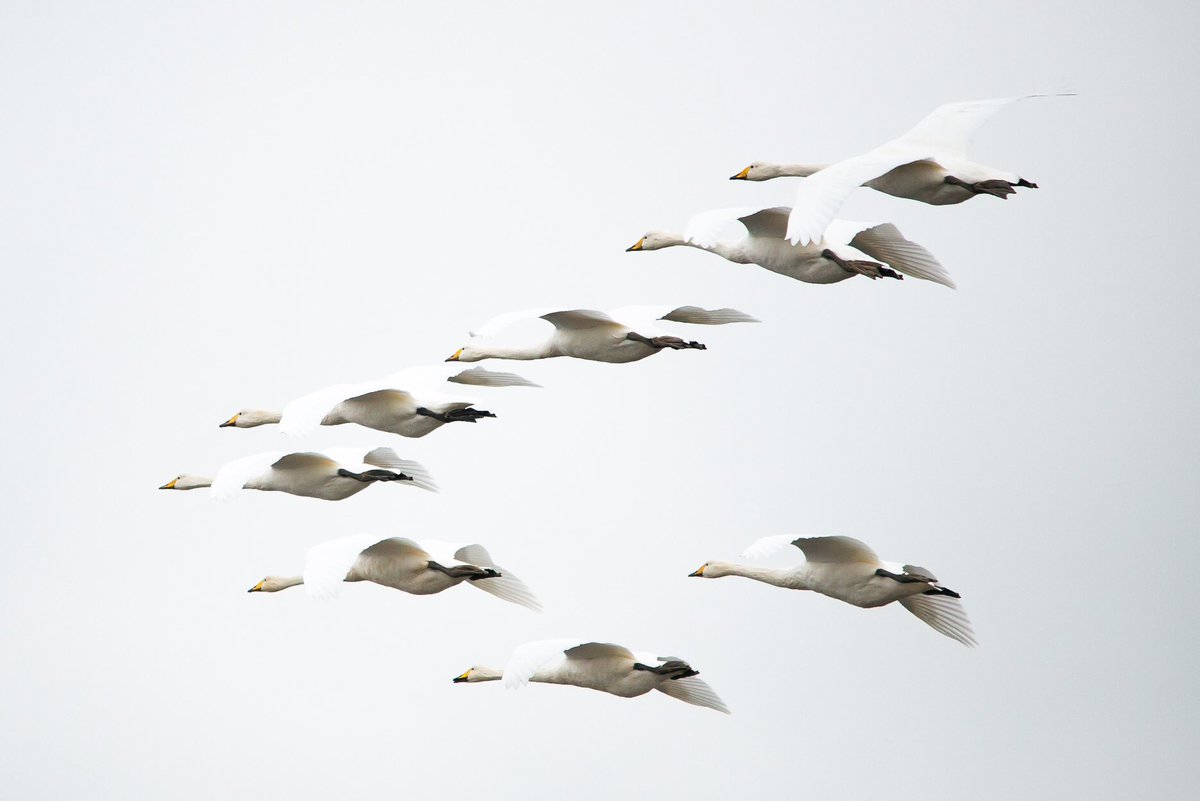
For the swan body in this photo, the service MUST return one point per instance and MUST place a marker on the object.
(848, 570)
(332, 474)
(928, 164)
(419, 568)
(845, 250)
(625, 335)
(606, 667)
(411, 403)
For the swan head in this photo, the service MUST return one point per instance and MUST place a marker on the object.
(273, 584)
(186, 482)
(711, 570)
(478, 673)
(757, 171)
(468, 353)
(655, 240)
(249, 418)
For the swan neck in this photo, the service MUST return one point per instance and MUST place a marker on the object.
(542, 350)
(798, 170)
(780, 577)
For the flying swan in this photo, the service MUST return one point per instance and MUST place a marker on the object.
(419, 568)
(624, 335)
(332, 474)
(411, 403)
(600, 666)
(846, 250)
(848, 570)
(929, 164)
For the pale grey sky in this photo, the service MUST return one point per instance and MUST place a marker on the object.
(211, 206)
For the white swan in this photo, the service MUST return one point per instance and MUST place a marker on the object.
(929, 164)
(419, 568)
(600, 666)
(411, 403)
(624, 335)
(848, 570)
(846, 250)
(332, 474)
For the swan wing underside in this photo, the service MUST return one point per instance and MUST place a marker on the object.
(482, 377)
(578, 319)
(944, 614)
(528, 658)
(886, 243)
(694, 690)
(326, 565)
(836, 549)
(767, 223)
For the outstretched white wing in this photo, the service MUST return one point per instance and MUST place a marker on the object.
(945, 614)
(816, 549)
(352, 458)
(949, 129)
(304, 415)
(884, 242)
(705, 229)
(326, 565)
(639, 316)
(505, 586)
(694, 690)
(527, 659)
(233, 475)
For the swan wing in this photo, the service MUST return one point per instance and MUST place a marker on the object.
(704, 229)
(950, 128)
(694, 690)
(507, 586)
(767, 546)
(945, 614)
(385, 458)
(836, 549)
(326, 565)
(232, 476)
(821, 195)
(885, 242)
(483, 377)
(634, 316)
(304, 414)
(500, 322)
(527, 659)
(578, 319)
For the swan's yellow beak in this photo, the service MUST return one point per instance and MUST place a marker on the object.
(170, 484)
(231, 421)
(636, 246)
(455, 357)
(462, 678)
(257, 587)
(741, 176)
(699, 571)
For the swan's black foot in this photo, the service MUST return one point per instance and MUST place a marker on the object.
(870, 269)
(941, 591)
(367, 476)
(674, 343)
(673, 669)
(995, 188)
(469, 572)
(1026, 184)
(455, 415)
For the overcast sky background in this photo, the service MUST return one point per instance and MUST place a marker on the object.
(213, 206)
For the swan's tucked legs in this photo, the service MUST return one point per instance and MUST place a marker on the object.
(673, 668)
(367, 476)
(674, 343)
(455, 415)
(465, 571)
(995, 188)
(870, 269)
